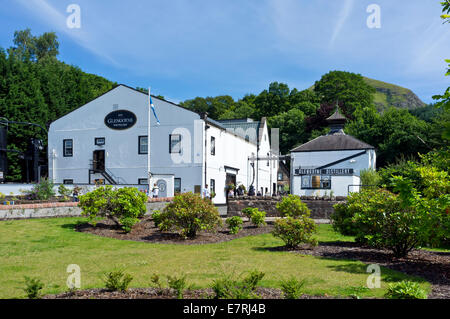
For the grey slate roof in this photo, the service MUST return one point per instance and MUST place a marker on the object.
(333, 142)
(337, 117)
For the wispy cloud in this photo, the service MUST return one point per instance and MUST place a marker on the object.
(189, 48)
(53, 17)
(343, 16)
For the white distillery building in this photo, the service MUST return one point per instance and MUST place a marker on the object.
(330, 164)
(106, 141)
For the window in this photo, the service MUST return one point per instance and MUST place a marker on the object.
(143, 145)
(268, 161)
(316, 182)
(68, 148)
(213, 145)
(177, 185)
(212, 185)
(174, 143)
(325, 182)
(99, 141)
(68, 181)
(280, 176)
(143, 181)
(306, 181)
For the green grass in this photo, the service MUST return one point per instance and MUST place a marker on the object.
(438, 249)
(44, 248)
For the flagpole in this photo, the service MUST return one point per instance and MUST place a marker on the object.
(149, 177)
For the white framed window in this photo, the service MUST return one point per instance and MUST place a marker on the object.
(143, 145)
(99, 141)
(212, 186)
(175, 143)
(213, 145)
(68, 148)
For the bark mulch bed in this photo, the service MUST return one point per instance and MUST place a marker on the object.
(166, 293)
(147, 232)
(430, 265)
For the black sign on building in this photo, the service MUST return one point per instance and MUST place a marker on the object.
(120, 120)
(324, 171)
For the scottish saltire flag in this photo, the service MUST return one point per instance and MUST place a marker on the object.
(153, 109)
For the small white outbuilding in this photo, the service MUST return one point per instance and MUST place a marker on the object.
(330, 164)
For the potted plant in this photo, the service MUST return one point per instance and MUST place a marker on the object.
(332, 197)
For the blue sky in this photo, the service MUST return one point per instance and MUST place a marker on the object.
(189, 48)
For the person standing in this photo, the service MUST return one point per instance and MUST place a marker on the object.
(75, 194)
(206, 193)
(155, 191)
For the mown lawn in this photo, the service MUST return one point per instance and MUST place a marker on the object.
(44, 248)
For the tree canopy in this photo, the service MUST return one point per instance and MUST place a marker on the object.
(36, 87)
(301, 115)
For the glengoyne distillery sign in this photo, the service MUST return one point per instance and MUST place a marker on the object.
(120, 120)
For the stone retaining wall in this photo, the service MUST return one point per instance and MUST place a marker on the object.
(61, 209)
(320, 209)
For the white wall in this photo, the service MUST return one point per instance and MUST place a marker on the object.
(122, 158)
(267, 175)
(86, 123)
(339, 184)
(232, 151)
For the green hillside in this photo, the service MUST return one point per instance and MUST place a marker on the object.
(393, 95)
(388, 94)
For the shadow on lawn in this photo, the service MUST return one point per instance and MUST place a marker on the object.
(306, 247)
(433, 266)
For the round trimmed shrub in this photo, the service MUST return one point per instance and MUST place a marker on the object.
(292, 206)
(248, 211)
(258, 218)
(235, 224)
(124, 206)
(295, 231)
(342, 218)
(189, 214)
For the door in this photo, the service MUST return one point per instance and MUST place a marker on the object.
(230, 179)
(162, 185)
(98, 161)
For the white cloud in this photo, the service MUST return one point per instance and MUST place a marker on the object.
(343, 16)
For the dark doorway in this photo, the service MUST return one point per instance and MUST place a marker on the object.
(230, 179)
(98, 162)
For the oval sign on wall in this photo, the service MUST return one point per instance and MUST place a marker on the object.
(120, 120)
